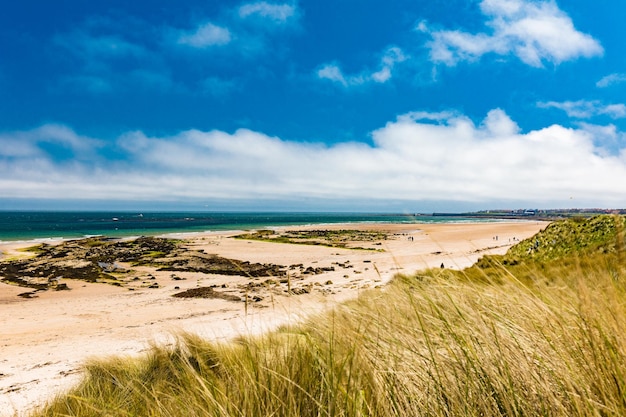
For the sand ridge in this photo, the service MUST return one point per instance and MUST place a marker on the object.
(44, 340)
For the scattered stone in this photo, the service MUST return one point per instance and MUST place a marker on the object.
(318, 270)
(94, 259)
(30, 294)
(301, 290)
(206, 292)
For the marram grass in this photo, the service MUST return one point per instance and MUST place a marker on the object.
(528, 340)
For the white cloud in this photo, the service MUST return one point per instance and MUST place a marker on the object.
(535, 31)
(420, 156)
(584, 109)
(392, 56)
(499, 124)
(277, 12)
(332, 72)
(205, 35)
(611, 79)
(32, 144)
(607, 139)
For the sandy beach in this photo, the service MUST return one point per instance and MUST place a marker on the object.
(45, 339)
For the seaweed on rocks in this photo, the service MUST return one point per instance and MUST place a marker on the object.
(96, 259)
(206, 292)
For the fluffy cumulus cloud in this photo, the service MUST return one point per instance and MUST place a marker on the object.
(535, 31)
(417, 157)
(392, 56)
(585, 109)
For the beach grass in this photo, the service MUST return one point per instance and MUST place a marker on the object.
(534, 338)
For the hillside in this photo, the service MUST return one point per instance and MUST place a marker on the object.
(566, 240)
(600, 234)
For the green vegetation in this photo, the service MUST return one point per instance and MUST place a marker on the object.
(331, 238)
(532, 336)
(33, 249)
(94, 242)
(600, 234)
(565, 243)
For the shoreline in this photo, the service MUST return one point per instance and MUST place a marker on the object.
(18, 226)
(185, 234)
(41, 334)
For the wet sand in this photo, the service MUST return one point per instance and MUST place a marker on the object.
(44, 340)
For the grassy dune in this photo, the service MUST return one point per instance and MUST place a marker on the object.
(516, 335)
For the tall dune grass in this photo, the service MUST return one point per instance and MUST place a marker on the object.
(528, 340)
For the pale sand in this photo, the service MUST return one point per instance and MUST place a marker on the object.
(44, 340)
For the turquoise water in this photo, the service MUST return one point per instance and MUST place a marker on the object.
(30, 225)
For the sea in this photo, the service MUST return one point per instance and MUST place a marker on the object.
(44, 225)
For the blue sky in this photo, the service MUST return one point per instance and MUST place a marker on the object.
(396, 105)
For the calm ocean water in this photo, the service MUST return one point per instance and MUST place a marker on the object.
(29, 225)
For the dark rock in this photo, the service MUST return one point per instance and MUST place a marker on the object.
(28, 294)
(205, 292)
(301, 290)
